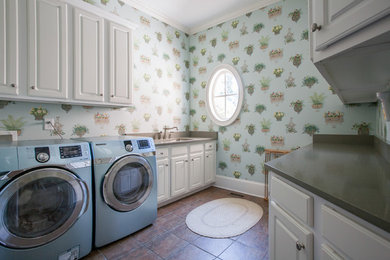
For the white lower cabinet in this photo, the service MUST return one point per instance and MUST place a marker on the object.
(181, 169)
(290, 240)
(338, 233)
(210, 164)
(163, 180)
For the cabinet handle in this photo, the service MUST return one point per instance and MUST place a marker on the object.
(300, 246)
(192, 159)
(315, 27)
(166, 165)
(186, 160)
(207, 156)
(112, 95)
(32, 87)
(101, 95)
(13, 85)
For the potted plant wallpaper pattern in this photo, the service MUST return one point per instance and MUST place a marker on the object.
(269, 48)
(286, 100)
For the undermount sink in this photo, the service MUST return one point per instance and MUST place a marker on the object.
(172, 140)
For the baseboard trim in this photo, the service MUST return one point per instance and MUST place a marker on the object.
(244, 186)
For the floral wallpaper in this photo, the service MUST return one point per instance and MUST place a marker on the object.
(161, 89)
(286, 100)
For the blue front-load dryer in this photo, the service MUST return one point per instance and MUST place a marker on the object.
(46, 200)
(125, 186)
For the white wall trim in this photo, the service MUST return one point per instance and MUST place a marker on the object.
(229, 16)
(247, 187)
(146, 8)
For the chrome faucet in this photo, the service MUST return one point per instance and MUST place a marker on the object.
(168, 128)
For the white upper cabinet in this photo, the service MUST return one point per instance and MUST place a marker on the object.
(47, 49)
(88, 56)
(336, 19)
(120, 50)
(9, 47)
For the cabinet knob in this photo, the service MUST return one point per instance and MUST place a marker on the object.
(186, 160)
(101, 95)
(32, 87)
(207, 156)
(13, 85)
(300, 246)
(166, 165)
(112, 95)
(192, 159)
(315, 27)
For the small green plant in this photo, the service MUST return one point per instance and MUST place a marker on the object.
(195, 61)
(250, 88)
(221, 57)
(317, 100)
(309, 81)
(305, 35)
(225, 36)
(192, 49)
(260, 108)
(249, 49)
(297, 105)
(310, 129)
(169, 37)
(237, 137)
(237, 174)
(259, 67)
(279, 116)
(226, 144)
(295, 15)
(195, 93)
(278, 72)
(260, 149)
(257, 27)
(38, 112)
(222, 129)
(80, 130)
(222, 165)
(251, 169)
(195, 124)
(12, 124)
(192, 80)
(265, 125)
(235, 23)
(213, 42)
(264, 82)
(264, 42)
(235, 60)
(251, 129)
(146, 38)
(363, 128)
(192, 112)
(277, 28)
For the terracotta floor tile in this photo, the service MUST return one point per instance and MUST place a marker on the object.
(185, 233)
(212, 245)
(254, 239)
(169, 222)
(95, 255)
(191, 252)
(240, 251)
(141, 253)
(166, 244)
(147, 234)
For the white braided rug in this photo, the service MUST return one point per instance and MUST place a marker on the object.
(224, 218)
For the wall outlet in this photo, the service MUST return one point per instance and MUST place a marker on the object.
(48, 124)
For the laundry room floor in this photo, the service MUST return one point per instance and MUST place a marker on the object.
(169, 237)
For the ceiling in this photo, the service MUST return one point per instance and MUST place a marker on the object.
(192, 16)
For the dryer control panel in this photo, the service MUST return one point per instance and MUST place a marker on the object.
(143, 144)
(70, 151)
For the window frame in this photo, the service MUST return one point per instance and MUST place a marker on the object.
(210, 96)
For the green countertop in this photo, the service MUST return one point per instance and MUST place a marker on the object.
(355, 177)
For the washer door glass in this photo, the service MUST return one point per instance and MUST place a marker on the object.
(128, 183)
(39, 206)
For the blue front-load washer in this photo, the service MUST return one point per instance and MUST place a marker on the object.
(125, 186)
(46, 204)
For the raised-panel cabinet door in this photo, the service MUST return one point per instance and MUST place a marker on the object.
(179, 175)
(339, 18)
(88, 56)
(47, 49)
(120, 64)
(288, 239)
(163, 179)
(210, 167)
(9, 47)
(196, 170)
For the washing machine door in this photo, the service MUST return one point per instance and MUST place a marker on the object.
(128, 183)
(40, 205)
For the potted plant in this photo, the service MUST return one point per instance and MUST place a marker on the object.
(177, 34)
(147, 117)
(226, 144)
(195, 124)
(121, 129)
(260, 108)
(259, 67)
(235, 157)
(310, 129)
(363, 128)
(169, 37)
(277, 140)
(297, 105)
(278, 72)
(222, 165)
(146, 38)
(305, 35)
(202, 37)
(203, 118)
(276, 96)
(234, 45)
(290, 127)
(264, 82)
(159, 36)
(195, 93)
(102, 118)
(203, 84)
(276, 53)
(309, 81)
(275, 11)
(336, 116)
(250, 88)
(251, 169)
(203, 51)
(276, 29)
(192, 49)
(202, 103)
(317, 100)
(213, 42)
(260, 149)
(225, 36)
(38, 112)
(265, 125)
(245, 147)
(235, 23)
(296, 60)
(279, 116)
(235, 60)
(290, 81)
(195, 61)
(80, 130)
(222, 129)
(221, 57)
(12, 124)
(192, 112)
(236, 136)
(237, 174)
(251, 129)
(249, 49)
(264, 42)
(192, 80)
(257, 27)
(295, 15)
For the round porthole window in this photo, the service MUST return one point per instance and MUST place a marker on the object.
(224, 95)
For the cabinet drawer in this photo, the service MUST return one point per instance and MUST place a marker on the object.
(351, 238)
(162, 152)
(196, 148)
(209, 146)
(179, 150)
(292, 200)
(328, 253)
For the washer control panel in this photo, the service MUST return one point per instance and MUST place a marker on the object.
(143, 144)
(42, 154)
(70, 151)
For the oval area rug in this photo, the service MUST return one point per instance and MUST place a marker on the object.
(224, 218)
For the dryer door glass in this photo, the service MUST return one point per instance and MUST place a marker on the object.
(39, 206)
(128, 183)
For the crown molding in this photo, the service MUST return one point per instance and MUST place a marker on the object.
(232, 15)
(144, 7)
